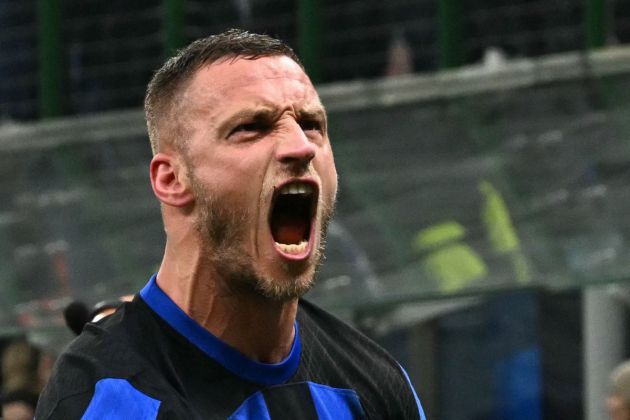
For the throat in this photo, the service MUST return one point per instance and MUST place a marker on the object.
(271, 338)
(290, 219)
(289, 229)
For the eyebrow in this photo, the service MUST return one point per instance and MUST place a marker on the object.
(258, 114)
(266, 114)
(316, 113)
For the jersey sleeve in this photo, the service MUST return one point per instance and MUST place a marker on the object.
(116, 398)
(112, 398)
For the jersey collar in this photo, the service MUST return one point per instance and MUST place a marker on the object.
(228, 357)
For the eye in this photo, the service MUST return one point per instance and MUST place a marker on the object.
(254, 127)
(310, 125)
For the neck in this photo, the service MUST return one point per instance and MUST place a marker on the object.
(260, 328)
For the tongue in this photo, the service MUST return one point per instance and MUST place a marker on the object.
(289, 230)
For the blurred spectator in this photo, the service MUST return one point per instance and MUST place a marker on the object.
(19, 405)
(77, 314)
(20, 368)
(25, 371)
(618, 402)
(399, 56)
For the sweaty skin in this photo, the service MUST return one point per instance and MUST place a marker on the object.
(252, 126)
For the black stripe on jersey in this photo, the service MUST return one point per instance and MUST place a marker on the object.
(290, 402)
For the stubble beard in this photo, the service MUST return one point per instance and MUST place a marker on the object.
(223, 231)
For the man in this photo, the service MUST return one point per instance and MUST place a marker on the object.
(618, 402)
(244, 172)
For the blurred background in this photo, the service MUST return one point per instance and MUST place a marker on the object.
(482, 233)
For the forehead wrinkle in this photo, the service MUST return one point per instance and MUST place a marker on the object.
(263, 70)
(268, 109)
(250, 113)
(204, 93)
(263, 112)
(272, 112)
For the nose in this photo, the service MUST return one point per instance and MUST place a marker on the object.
(294, 148)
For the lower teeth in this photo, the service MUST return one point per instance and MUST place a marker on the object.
(293, 248)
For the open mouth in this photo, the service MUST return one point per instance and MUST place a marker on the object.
(292, 215)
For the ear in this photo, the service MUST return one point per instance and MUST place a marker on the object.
(168, 181)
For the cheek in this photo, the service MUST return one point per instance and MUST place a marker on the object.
(333, 183)
(328, 173)
(233, 178)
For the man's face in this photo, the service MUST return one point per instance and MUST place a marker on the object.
(261, 168)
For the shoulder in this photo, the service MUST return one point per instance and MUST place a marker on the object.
(107, 347)
(114, 398)
(348, 358)
(327, 329)
(102, 362)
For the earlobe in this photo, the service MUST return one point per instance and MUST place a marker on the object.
(166, 180)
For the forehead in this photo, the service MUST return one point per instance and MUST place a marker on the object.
(276, 80)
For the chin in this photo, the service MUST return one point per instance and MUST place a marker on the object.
(287, 286)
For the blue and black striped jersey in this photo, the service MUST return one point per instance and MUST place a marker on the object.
(150, 360)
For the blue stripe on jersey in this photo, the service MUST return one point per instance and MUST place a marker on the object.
(253, 408)
(330, 403)
(336, 404)
(117, 399)
(420, 410)
(228, 357)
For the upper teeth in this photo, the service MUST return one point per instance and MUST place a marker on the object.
(297, 189)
